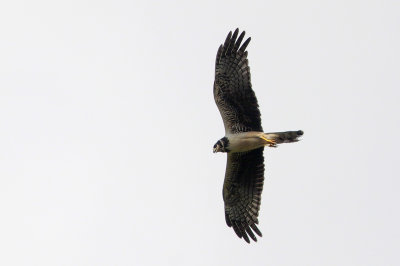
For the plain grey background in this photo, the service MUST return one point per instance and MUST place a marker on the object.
(107, 123)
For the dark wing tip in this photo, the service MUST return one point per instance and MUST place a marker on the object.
(255, 229)
(232, 42)
(219, 53)
(246, 238)
(238, 232)
(236, 32)
(228, 38)
(239, 41)
(300, 133)
(244, 46)
(244, 230)
(251, 234)
(228, 220)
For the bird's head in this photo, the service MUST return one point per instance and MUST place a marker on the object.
(221, 145)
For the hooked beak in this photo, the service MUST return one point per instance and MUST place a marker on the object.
(215, 150)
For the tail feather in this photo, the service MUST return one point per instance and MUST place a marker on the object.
(284, 137)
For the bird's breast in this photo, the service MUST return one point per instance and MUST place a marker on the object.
(246, 141)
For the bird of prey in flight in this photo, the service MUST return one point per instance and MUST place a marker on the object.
(244, 139)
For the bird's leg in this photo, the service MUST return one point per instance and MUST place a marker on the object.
(271, 142)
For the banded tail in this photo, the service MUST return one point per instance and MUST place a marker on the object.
(284, 137)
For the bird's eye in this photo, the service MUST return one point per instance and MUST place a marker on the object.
(215, 145)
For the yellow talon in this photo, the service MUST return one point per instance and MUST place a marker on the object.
(271, 142)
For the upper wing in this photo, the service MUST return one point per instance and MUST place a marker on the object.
(233, 94)
(244, 179)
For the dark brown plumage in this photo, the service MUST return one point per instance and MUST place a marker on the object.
(244, 139)
(242, 189)
(233, 94)
(238, 106)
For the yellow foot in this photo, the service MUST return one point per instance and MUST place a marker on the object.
(271, 143)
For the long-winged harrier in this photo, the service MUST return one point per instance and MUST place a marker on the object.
(244, 139)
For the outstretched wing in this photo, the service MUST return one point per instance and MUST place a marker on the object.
(243, 185)
(233, 94)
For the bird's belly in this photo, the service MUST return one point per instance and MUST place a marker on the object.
(243, 142)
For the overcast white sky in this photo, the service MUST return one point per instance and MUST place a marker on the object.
(107, 123)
